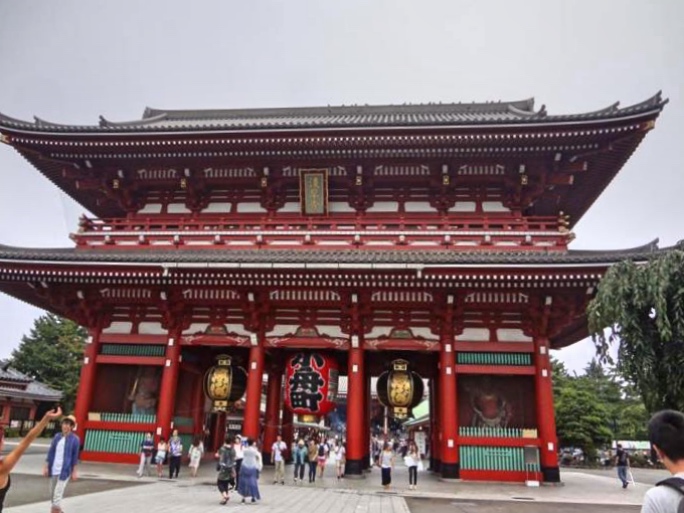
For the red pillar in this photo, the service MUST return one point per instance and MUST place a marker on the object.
(356, 390)
(434, 426)
(366, 422)
(272, 421)
(169, 383)
(546, 421)
(288, 429)
(198, 406)
(87, 382)
(447, 400)
(253, 399)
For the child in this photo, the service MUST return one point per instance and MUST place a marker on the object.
(159, 458)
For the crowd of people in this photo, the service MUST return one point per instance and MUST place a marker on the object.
(239, 461)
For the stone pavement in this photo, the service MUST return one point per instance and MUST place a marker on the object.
(328, 496)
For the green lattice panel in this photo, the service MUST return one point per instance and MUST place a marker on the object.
(495, 458)
(128, 417)
(132, 350)
(486, 358)
(119, 442)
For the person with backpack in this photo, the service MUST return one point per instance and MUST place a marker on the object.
(322, 457)
(666, 434)
(622, 463)
(226, 469)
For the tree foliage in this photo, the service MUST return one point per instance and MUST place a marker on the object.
(596, 407)
(642, 307)
(52, 353)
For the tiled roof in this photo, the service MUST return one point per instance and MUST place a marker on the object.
(358, 256)
(34, 389)
(353, 116)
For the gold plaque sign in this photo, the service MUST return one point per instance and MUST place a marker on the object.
(313, 191)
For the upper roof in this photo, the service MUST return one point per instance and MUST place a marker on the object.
(352, 116)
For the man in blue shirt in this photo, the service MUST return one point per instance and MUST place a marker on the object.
(61, 462)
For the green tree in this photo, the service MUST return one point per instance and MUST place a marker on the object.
(581, 421)
(52, 353)
(642, 306)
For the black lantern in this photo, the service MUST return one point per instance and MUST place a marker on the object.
(224, 383)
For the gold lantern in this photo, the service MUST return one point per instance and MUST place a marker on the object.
(224, 383)
(400, 389)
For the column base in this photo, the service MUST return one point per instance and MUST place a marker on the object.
(353, 468)
(449, 470)
(550, 474)
(435, 464)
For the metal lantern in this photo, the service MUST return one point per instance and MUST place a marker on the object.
(224, 383)
(311, 385)
(400, 389)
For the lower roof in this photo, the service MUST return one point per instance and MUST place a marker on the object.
(133, 257)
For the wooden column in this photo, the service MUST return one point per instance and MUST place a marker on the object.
(169, 384)
(86, 384)
(254, 382)
(288, 429)
(449, 465)
(546, 421)
(198, 406)
(366, 422)
(434, 426)
(272, 420)
(356, 390)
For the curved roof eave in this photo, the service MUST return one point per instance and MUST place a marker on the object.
(300, 119)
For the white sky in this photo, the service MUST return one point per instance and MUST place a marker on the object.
(72, 60)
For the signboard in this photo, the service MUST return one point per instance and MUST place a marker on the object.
(313, 191)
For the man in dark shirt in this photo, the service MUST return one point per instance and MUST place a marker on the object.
(622, 462)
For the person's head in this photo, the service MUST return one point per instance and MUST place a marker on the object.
(619, 446)
(250, 442)
(666, 434)
(174, 433)
(279, 438)
(300, 443)
(412, 444)
(68, 424)
(387, 446)
(148, 436)
(162, 440)
(229, 439)
(196, 441)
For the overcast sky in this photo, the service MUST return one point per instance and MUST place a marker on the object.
(70, 61)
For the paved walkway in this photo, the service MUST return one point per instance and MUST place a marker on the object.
(348, 495)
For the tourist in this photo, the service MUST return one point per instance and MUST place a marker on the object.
(313, 460)
(160, 456)
(386, 465)
(322, 457)
(237, 445)
(412, 460)
(666, 434)
(248, 485)
(195, 455)
(301, 458)
(226, 469)
(175, 453)
(277, 453)
(340, 459)
(622, 462)
(8, 462)
(61, 462)
(146, 450)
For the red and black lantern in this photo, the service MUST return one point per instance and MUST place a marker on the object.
(400, 389)
(224, 383)
(311, 385)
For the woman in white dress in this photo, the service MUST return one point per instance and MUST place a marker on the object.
(195, 454)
